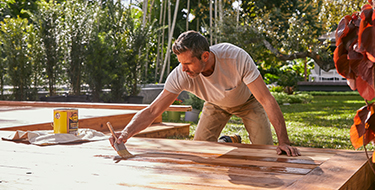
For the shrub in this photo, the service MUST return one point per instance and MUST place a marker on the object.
(277, 89)
(282, 98)
(323, 93)
(195, 102)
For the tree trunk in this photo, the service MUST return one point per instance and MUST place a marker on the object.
(150, 10)
(169, 40)
(159, 51)
(144, 9)
(187, 15)
(215, 29)
(198, 29)
(210, 30)
(169, 31)
(220, 17)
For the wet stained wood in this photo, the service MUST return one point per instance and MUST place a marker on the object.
(176, 164)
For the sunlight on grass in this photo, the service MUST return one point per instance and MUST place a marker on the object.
(354, 102)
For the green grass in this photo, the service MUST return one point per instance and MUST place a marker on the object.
(323, 123)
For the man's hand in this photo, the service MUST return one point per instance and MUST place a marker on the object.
(119, 137)
(289, 150)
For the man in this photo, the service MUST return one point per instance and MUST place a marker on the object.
(225, 77)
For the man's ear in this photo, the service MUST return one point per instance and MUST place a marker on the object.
(205, 56)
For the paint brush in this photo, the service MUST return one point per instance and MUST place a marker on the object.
(120, 148)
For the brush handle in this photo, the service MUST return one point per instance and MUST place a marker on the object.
(112, 131)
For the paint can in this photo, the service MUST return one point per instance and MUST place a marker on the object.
(65, 121)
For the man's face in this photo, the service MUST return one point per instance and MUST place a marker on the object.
(191, 65)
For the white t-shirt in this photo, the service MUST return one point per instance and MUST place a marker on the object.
(226, 86)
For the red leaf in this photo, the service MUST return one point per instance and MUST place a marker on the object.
(370, 122)
(353, 64)
(356, 140)
(342, 29)
(366, 15)
(365, 90)
(340, 50)
(360, 120)
(369, 136)
(368, 42)
(342, 66)
(365, 71)
(358, 129)
(352, 54)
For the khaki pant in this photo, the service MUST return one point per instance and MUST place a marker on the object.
(214, 118)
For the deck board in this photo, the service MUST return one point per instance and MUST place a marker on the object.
(29, 118)
(174, 164)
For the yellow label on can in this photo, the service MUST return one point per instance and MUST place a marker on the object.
(65, 121)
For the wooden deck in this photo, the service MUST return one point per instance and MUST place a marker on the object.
(164, 163)
(178, 164)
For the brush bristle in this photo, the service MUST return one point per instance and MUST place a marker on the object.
(122, 151)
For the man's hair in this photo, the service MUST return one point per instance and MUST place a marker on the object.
(193, 41)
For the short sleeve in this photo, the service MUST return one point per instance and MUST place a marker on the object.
(247, 68)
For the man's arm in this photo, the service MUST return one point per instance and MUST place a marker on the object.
(264, 97)
(145, 117)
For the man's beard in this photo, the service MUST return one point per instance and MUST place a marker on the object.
(194, 75)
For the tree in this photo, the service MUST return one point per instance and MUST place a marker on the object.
(14, 38)
(98, 55)
(138, 36)
(78, 24)
(47, 20)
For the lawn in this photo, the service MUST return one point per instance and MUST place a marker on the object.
(323, 123)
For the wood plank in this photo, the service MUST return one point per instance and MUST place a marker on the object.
(173, 164)
(180, 108)
(345, 170)
(166, 130)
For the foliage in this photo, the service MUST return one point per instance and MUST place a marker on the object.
(177, 102)
(286, 75)
(355, 52)
(333, 93)
(138, 36)
(282, 98)
(16, 8)
(276, 31)
(14, 37)
(47, 20)
(276, 89)
(108, 47)
(77, 25)
(288, 29)
(195, 102)
(354, 58)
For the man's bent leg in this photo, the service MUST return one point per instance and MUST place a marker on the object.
(256, 122)
(213, 120)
